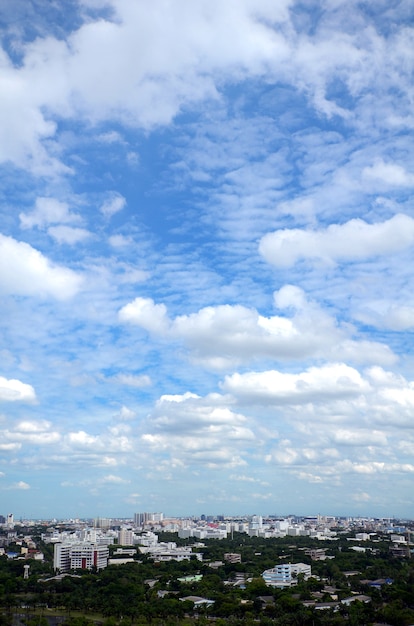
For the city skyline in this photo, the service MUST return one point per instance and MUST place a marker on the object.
(206, 253)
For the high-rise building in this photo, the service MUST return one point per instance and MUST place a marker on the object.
(125, 537)
(102, 522)
(141, 518)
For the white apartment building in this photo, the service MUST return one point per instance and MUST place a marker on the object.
(170, 552)
(285, 574)
(61, 557)
(126, 537)
(147, 539)
(140, 519)
(71, 556)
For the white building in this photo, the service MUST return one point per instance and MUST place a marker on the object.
(255, 525)
(285, 574)
(61, 557)
(70, 556)
(170, 552)
(126, 537)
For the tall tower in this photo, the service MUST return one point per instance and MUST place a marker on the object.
(26, 571)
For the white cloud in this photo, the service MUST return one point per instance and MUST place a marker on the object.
(386, 315)
(133, 380)
(352, 241)
(30, 432)
(315, 384)
(68, 234)
(63, 78)
(361, 496)
(97, 445)
(20, 485)
(115, 203)
(389, 174)
(82, 439)
(25, 271)
(145, 313)
(360, 437)
(196, 431)
(116, 480)
(27, 426)
(10, 447)
(227, 335)
(120, 241)
(48, 211)
(125, 414)
(15, 391)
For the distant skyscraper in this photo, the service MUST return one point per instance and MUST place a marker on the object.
(102, 522)
(256, 522)
(140, 519)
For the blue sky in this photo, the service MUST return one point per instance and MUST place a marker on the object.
(206, 253)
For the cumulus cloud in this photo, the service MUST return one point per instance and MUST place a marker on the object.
(15, 391)
(196, 431)
(145, 313)
(360, 437)
(62, 78)
(355, 240)
(30, 433)
(47, 211)
(315, 384)
(336, 393)
(98, 444)
(389, 174)
(125, 414)
(227, 335)
(26, 271)
(20, 485)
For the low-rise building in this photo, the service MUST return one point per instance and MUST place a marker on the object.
(71, 556)
(286, 574)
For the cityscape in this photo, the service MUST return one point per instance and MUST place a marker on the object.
(268, 569)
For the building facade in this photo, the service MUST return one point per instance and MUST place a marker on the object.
(286, 574)
(73, 556)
